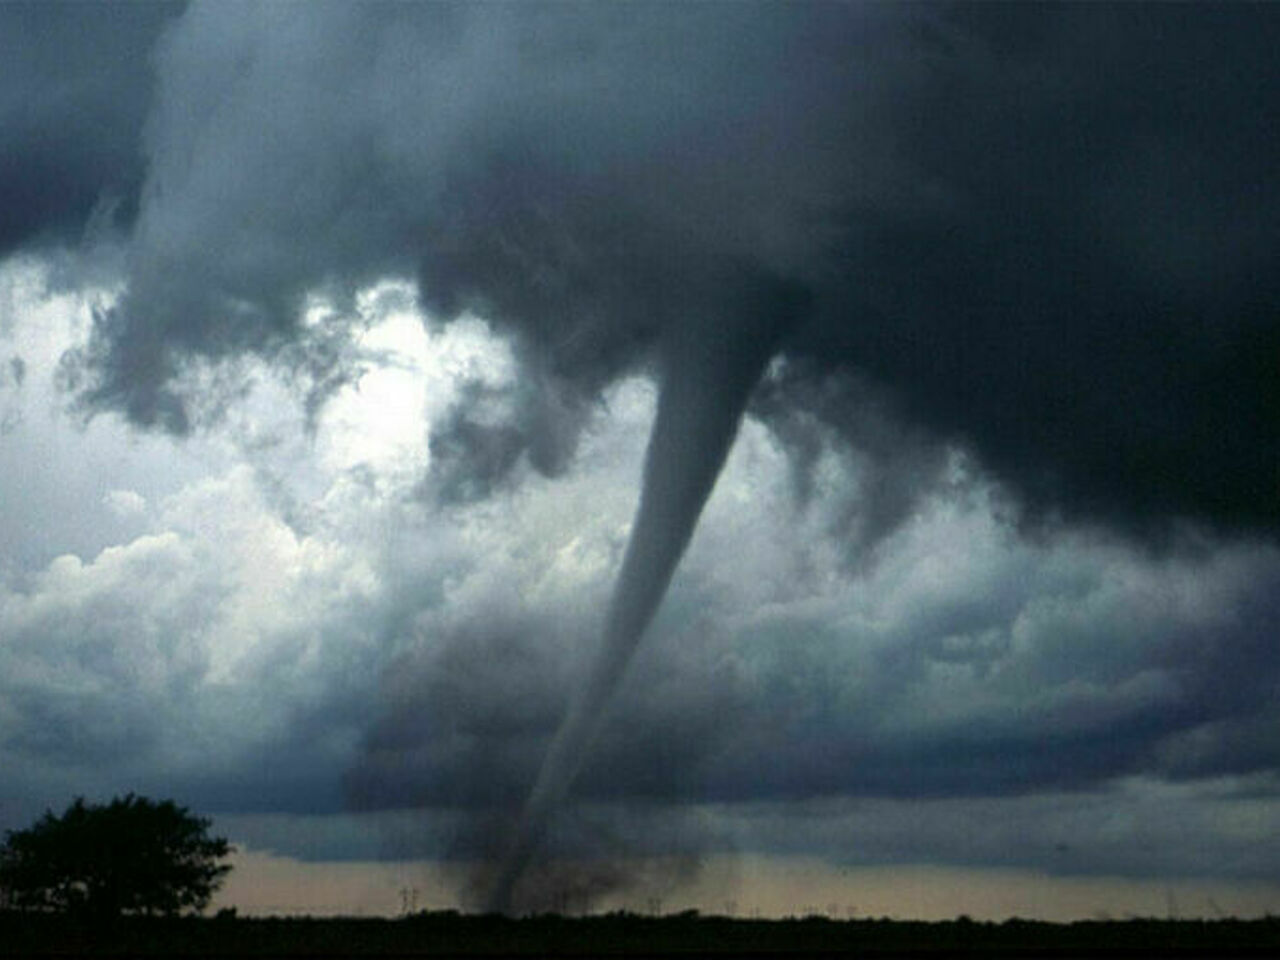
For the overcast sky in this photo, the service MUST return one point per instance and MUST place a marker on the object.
(332, 339)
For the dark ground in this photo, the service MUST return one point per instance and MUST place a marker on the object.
(448, 934)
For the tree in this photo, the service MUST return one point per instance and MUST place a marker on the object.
(132, 855)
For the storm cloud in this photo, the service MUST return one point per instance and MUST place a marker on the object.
(1045, 235)
(77, 88)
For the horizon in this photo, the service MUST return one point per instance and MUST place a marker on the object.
(755, 888)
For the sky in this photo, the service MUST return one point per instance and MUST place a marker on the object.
(889, 392)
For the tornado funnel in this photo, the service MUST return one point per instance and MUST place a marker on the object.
(709, 370)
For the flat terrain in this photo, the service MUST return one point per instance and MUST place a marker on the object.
(448, 934)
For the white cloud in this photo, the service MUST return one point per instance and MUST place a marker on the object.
(125, 503)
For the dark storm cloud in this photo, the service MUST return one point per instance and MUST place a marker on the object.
(11, 376)
(75, 85)
(478, 445)
(816, 414)
(1045, 233)
(1090, 299)
(470, 459)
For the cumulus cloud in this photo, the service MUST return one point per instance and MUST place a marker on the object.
(125, 503)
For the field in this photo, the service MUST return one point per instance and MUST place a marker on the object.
(449, 934)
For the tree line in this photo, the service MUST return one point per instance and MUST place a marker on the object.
(130, 856)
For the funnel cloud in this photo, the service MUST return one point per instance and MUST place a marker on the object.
(706, 380)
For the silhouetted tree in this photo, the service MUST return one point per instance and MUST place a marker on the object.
(132, 855)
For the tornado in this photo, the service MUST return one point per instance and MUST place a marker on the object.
(708, 372)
